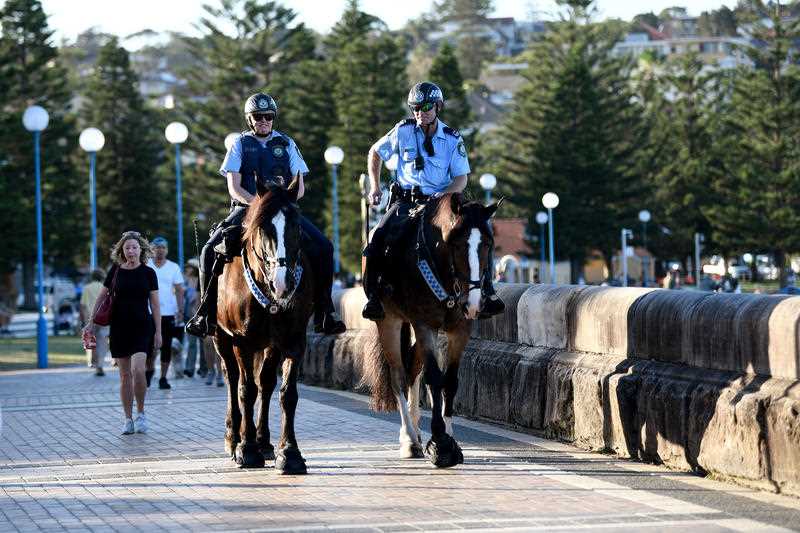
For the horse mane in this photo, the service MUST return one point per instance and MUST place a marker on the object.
(441, 212)
(262, 209)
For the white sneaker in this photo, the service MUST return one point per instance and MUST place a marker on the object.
(140, 423)
(128, 428)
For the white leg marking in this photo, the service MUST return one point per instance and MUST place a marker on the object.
(279, 282)
(413, 406)
(474, 273)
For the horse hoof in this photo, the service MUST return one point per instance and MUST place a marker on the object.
(249, 456)
(411, 451)
(444, 452)
(230, 447)
(268, 451)
(290, 462)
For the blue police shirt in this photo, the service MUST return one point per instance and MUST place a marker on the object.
(233, 159)
(406, 141)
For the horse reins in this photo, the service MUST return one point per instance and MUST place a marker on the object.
(427, 267)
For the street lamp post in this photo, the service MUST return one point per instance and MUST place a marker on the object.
(488, 182)
(541, 219)
(699, 239)
(550, 201)
(334, 157)
(363, 184)
(177, 133)
(35, 120)
(644, 218)
(624, 255)
(92, 141)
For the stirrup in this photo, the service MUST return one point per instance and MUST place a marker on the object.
(200, 326)
(491, 306)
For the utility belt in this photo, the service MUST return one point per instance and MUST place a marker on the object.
(413, 195)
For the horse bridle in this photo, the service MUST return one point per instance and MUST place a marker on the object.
(268, 265)
(427, 267)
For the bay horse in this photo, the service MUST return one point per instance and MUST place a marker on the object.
(264, 304)
(435, 272)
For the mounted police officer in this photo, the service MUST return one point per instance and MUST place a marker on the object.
(268, 155)
(432, 160)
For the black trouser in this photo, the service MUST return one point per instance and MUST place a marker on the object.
(376, 249)
(317, 247)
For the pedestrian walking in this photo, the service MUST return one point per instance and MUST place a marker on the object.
(214, 365)
(134, 329)
(95, 357)
(170, 294)
(194, 345)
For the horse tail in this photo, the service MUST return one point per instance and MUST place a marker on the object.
(376, 375)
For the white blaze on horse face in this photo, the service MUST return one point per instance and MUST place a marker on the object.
(474, 300)
(279, 281)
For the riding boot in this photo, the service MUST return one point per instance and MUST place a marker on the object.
(491, 304)
(373, 309)
(204, 322)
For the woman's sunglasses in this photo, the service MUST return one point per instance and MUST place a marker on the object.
(422, 107)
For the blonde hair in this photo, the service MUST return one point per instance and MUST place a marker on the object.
(117, 254)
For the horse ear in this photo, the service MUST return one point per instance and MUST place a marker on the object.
(491, 209)
(455, 203)
(294, 187)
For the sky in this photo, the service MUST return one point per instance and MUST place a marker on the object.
(70, 17)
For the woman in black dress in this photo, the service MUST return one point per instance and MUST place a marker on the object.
(134, 329)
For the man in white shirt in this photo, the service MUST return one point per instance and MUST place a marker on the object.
(170, 296)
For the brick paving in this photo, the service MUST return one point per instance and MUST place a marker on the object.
(65, 466)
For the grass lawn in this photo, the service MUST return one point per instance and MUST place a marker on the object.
(765, 287)
(20, 354)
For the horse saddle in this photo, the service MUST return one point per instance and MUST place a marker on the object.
(231, 244)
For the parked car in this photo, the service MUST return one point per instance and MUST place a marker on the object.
(55, 290)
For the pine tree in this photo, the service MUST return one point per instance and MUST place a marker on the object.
(758, 192)
(129, 194)
(445, 72)
(370, 89)
(574, 130)
(472, 45)
(31, 73)
(685, 165)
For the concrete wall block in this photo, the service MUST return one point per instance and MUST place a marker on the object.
(598, 319)
(542, 315)
(529, 387)
(349, 303)
(662, 416)
(559, 415)
(737, 332)
(732, 442)
(347, 355)
(783, 434)
(317, 361)
(656, 323)
(495, 364)
(502, 327)
(621, 432)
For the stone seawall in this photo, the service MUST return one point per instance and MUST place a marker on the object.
(697, 381)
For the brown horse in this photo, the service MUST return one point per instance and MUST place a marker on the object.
(265, 301)
(436, 273)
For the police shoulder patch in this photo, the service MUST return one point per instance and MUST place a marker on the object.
(451, 131)
(462, 151)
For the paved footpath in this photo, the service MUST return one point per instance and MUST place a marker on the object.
(65, 466)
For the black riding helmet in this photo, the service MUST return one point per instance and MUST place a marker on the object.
(425, 93)
(259, 103)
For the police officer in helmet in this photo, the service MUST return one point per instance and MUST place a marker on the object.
(432, 160)
(262, 153)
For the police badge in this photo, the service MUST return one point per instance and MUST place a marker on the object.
(277, 151)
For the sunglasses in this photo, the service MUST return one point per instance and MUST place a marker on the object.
(416, 108)
(267, 117)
